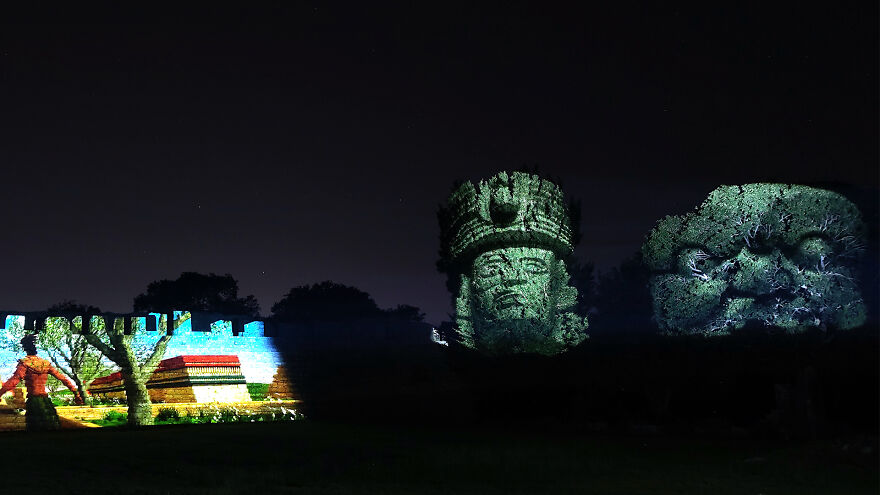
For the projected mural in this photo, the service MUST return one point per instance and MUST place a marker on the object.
(35, 371)
(774, 255)
(135, 370)
(503, 245)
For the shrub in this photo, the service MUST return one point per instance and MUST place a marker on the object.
(115, 416)
(258, 391)
(168, 414)
(95, 401)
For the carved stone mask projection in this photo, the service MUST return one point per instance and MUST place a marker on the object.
(775, 255)
(503, 245)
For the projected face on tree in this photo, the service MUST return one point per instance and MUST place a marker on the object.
(768, 254)
(502, 247)
(510, 301)
(513, 283)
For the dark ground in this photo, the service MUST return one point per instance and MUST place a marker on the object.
(749, 414)
(315, 457)
(811, 385)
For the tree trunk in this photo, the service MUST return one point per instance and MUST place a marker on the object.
(79, 386)
(140, 411)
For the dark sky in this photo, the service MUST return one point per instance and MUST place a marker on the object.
(293, 145)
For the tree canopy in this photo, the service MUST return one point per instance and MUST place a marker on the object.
(406, 313)
(325, 302)
(197, 292)
(623, 300)
(773, 255)
(69, 351)
(504, 246)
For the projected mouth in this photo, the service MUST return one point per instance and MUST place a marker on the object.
(508, 300)
(766, 299)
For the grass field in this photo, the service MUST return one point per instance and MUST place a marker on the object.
(321, 458)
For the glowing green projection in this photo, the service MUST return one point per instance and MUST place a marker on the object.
(773, 254)
(503, 245)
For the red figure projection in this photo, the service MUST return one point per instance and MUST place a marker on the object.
(34, 370)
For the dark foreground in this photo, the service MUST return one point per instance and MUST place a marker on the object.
(310, 457)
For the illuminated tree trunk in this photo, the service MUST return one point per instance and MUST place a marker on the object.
(80, 388)
(134, 373)
(140, 411)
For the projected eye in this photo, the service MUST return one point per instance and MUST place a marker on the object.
(812, 252)
(696, 261)
(489, 269)
(534, 266)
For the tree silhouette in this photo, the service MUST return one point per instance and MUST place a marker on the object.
(197, 292)
(584, 280)
(325, 302)
(623, 299)
(406, 313)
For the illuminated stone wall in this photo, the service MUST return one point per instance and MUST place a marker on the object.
(257, 353)
(185, 379)
(282, 387)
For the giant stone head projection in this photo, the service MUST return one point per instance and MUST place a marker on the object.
(775, 255)
(503, 245)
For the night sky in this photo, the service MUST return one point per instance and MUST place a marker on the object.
(294, 145)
